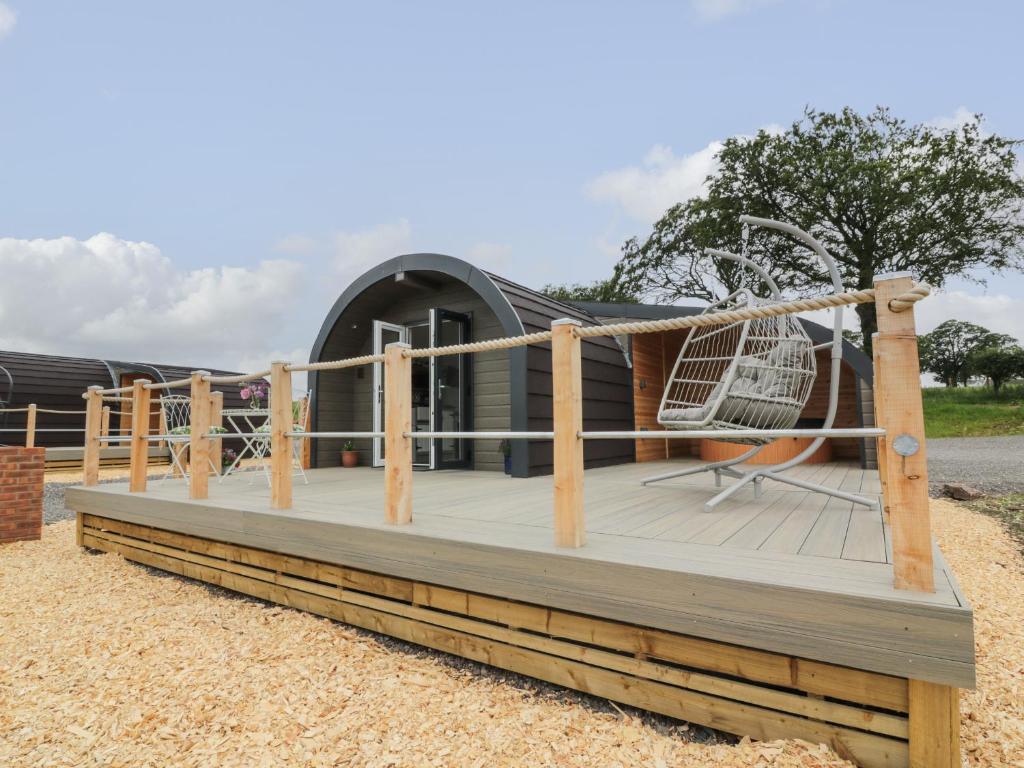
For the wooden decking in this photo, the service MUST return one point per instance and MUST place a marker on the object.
(792, 572)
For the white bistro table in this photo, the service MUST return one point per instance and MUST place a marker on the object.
(242, 421)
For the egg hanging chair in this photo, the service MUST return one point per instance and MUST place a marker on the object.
(754, 374)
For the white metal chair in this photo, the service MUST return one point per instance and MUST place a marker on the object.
(753, 374)
(261, 445)
(176, 421)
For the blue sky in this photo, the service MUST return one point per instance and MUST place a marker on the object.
(297, 144)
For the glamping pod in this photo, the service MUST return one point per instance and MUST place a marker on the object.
(430, 299)
(54, 382)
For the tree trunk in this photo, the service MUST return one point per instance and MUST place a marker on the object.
(868, 324)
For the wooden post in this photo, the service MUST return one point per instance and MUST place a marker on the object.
(105, 422)
(567, 386)
(91, 446)
(934, 725)
(306, 451)
(397, 422)
(30, 426)
(140, 431)
(902, 415)
(216, 420)
(280, 443)
(198, 442)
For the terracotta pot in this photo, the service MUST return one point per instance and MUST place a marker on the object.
(349, 458)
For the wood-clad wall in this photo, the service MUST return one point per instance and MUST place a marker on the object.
(607, 395)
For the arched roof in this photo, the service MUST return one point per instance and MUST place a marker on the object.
(458, 269)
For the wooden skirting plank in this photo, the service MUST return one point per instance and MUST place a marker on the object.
(667, 589)
(860, 686)
(626, 679)
(842, 714)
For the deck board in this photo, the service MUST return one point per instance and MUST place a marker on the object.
(788, 572)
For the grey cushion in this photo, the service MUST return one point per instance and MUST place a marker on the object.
(759, 412)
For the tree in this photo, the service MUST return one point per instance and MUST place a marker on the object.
(999, 364)
(599, 290)
(948, 351)
(883, 196)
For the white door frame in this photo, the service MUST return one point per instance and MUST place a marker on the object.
(379, 326)
(429, 323)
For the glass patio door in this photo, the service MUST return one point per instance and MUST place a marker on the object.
(383, 334)
(452, 410)
(440, 389)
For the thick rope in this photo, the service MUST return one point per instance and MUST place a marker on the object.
(905, 301)
(481, 346)
(238, 379)
(331, 365)
(50, 410)
(13, 410)
(169, 384)
(898, 304)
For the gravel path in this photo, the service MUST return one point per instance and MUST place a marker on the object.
(991, 464)
(53, 499)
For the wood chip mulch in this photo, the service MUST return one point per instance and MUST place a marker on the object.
(103, 662)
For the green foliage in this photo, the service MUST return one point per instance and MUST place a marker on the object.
(882, 195)
(854, 337)
(600, 290)
(973, 411)
(947, 351)
(998, 364)
(348, 446)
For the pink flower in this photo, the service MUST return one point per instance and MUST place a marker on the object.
(245, 393)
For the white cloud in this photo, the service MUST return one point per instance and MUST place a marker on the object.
(355, 252)
(493, 257)
(997, 312)
(663, 179)
(112, 298)
(8, 18)
(958, 119)
(716, 10)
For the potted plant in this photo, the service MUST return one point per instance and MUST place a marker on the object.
(505, 446)
(227, 458)
(349, 455)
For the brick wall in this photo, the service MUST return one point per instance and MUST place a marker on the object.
(21, 493)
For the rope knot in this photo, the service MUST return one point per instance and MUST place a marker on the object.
(905, 301)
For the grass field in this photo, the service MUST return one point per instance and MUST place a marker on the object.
(973, 411)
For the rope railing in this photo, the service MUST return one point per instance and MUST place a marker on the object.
(167, 384)
(332, 365)
(506, 342)
(240, 378)
(899, 304)
(111, 391)
(903, 302)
